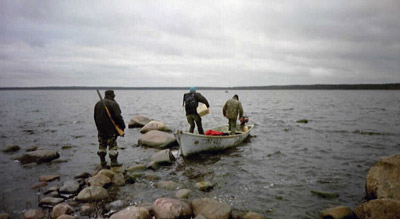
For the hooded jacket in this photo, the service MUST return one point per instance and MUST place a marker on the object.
(232, 109)
(104, 125)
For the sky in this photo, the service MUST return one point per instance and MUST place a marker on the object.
(146, 43)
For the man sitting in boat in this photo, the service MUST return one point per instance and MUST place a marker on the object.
(233, 108)
(191, 101)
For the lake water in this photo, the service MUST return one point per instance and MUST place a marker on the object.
(272, 174)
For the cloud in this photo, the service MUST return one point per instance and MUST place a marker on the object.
(201, 43)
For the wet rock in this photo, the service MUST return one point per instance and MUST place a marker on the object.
(132, 212)
(204, 186)
(107, 173)
(182, 193)
(70, 187)
(118, 179)
(171, 208)
(65, 216)
(11, 148)
(211, 208)
(50, 201)
(132, 177)
(138, 122)
(34, 214)
(163, 157)
(253, 215)
(383, 180)
(39, 156)
(39, 185)
(54, 194)
(168, 185)
(4, 216)
(92, 193)
(153, 166)
(48, 178)
(156, 139)
(83, 176)
(379, 208)
(339, 212)
(327, 195)
(99, 180)
(61, 209)
(33, 148)
(116, 205)
(87, 209)
(155, 125)
(51, 189)
(136, 168)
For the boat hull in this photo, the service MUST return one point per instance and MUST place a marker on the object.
(190, 143)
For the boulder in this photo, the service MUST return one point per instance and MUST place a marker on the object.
(155, 125)
(92, 193)
(99, 180)
(379, 208)
(50, 201)
(138, 122)
(163, 157)
(171, 208)
(70, 187)
(156, 139)
(383, 179)
(132, 212)
(87, 209)
(34, 214)
(61, 209)
(204, 186)
(211, 208)
(168, 185)
(48, 178)
(11, 148)
(182, 193)
(118, 179)
(39, 156)
(338, 212)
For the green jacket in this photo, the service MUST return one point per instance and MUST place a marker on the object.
(232, 109)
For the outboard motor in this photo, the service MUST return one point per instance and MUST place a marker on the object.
(243, 121)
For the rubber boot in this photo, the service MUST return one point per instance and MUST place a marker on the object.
(103, 161)
(114, 161)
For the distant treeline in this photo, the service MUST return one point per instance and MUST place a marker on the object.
(394, 86)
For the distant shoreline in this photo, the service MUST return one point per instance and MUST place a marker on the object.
(393, 86)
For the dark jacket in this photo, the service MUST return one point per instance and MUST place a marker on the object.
(199, 98)
(103, 123)
(232, 109)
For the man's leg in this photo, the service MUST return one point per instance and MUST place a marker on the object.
(232, 125)
(113, 151)
(102, 152)
(191, 123)
(197, 118)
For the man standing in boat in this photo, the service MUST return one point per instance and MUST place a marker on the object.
(233, 108)
(191, 101)
(107, 132)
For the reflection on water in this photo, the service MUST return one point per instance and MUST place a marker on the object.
(273, 173)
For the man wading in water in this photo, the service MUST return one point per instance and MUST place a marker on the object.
(107, 115)
(191, 101)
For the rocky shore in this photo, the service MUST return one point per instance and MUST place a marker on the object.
(94, 194)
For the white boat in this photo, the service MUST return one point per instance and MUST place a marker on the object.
(190, 143)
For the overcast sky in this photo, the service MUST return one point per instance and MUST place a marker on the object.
(198, 43)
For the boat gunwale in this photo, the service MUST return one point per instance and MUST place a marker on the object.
(216, 136)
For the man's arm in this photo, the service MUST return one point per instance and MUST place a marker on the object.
(240, 110)
(202, 99)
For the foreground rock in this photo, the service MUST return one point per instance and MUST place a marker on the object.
(171, 208)
(383, 180)
(132, 212)
(92, 193)
(339, 212)
(155, 125)
(379, 208)
(156, 139)
(39, 156)
(138, 122)
(211, 208)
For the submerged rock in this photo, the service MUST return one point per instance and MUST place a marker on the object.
(379, 208)
(338, 212)
(155, 125)
(211, 208)
(383, 180)
(171, 208)
(138, 122)
(11, 148)
(132, 212)
(327, 195)
(168, 185)
(92, 193)
(302, 121)
(156, 139)
(39, 156)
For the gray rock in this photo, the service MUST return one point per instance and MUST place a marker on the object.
(116, 205)
(132, 212)
(92, 193)
(39, 156)
(70, 187)
(157, 139)
(99, 180)
(163, 157)
(379, 208)
(138, 122)
(34, 214)
(61, 209)
(211, 208)
(182, 193)
(50, 201)
(171, 208)
(155, 125)
(11, 148)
